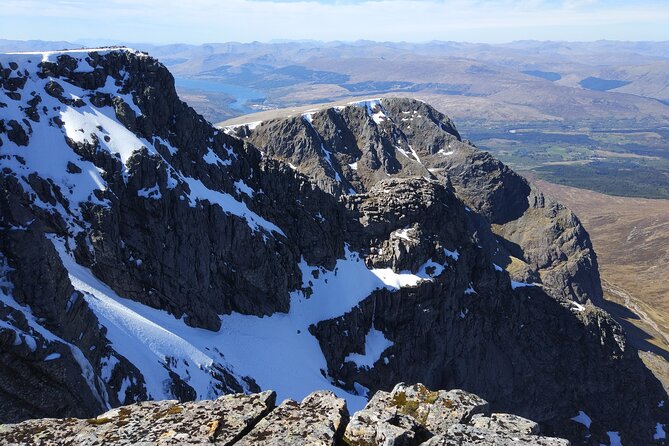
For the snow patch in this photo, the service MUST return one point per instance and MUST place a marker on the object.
(455, 255)
(82, 123)
(107, 366)
(125, 384)
(582, 418)
(393, 280)
(576, 306)
(445, 153)
(659, 432)
(198, 191)
(360, 389)
(170, 148)
(328, 158)
(150, 192)
(614, 438)
(515, 285)
(242, 188)
(404, 234)
(52, 357)
(211, 158)
(251, 126)
(375, 344)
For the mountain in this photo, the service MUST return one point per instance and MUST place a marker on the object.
(350, 149)
(34, 45)
(523, 82)
(586, 114)
(146, 254)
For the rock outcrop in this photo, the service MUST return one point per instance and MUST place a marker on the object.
(414, 415)
(409, 415)
(349, 149)
(146, 255)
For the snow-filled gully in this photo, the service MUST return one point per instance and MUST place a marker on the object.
(277, 351)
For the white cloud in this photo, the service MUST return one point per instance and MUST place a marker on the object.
(199, 21)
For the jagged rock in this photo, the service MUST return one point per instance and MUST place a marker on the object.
(508, 422)
(460, 435)
(318, 420)
(401, 137)
(409, 415)
(413, 415)
(222, 421)
(16, 133)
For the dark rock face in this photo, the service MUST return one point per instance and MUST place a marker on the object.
(44, 374)
(409, 415)
(163, 248)
(350, 149)
(129, 224)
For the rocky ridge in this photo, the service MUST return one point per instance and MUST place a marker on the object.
(348, 149)
(409, 415)
(145, 255)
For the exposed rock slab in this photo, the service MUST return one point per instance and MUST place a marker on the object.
(407, 416)
(414, 415)
(318, 420)
(221, 421)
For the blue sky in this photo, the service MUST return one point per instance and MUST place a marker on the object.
(200, 21)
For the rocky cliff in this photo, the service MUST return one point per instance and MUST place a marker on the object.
(146, 255)
(348, 149)
(409, 415)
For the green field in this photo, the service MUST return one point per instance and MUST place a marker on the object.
(616, 161)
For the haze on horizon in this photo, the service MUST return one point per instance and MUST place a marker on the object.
(202, 21)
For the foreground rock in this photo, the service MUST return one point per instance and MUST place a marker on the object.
(413, 415)
(222, 421)
(317, 421)
(409, 415)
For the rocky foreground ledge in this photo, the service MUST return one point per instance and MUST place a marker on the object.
(407, 416)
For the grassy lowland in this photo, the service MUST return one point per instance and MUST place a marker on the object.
(616, 161)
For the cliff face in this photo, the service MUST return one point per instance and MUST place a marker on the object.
(145, 254)
(348, 149)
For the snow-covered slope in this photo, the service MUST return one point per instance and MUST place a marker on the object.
(277, 351)
(64, 118)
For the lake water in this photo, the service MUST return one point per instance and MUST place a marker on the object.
(241, 94)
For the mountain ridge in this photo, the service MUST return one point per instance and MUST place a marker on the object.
(192, 264)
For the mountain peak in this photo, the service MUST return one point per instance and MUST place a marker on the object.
(50, 55)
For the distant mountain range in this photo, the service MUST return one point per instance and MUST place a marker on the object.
(581, 81)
